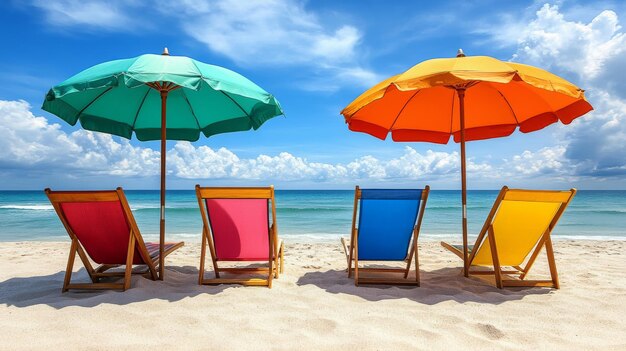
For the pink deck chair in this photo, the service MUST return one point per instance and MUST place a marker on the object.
(236, 227)
(103, 230)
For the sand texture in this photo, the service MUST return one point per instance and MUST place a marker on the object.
(314, 306)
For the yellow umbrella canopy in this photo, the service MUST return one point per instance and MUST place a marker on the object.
(469, 98)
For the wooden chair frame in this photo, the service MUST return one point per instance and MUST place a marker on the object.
(276, 253)
(134, 240)
(487, 230)
(352, 251)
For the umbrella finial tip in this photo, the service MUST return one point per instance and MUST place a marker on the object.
(165, 52)
(460, 53)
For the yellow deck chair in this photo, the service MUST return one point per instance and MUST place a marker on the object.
(517, 228)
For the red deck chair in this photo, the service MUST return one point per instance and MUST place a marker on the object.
(103, 229)
(236, 227)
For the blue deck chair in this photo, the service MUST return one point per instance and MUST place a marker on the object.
(389, 221)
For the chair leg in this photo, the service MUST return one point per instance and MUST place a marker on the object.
(282, 257)
(350, 269)
(129, 261)
(408, 262)
(279, 260)
(270, 274)
(494, 257)
(354, 248)
(417, 267)
(202, 258)
(70, 266)
(348, 253)
(552, 264)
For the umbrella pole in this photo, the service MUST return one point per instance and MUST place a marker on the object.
(163, 157)
(461, 92)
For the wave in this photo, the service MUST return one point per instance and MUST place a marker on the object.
(50, 208)
(458, 207)
(147, 207)
(167, 208)
(154, 236)
(279, 209)
(28, 207)
(614, 211)
(313, 209)
(589, 237)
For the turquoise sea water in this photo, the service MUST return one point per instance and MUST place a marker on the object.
(311, 214)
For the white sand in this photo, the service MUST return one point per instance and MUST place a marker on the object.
(315, 306)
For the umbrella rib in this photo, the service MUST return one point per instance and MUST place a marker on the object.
(241, 108)
(139, 108)
(452, 110)
(191, 109)
(92, 101)
(402, 109)
(228, 96)
(509, 105)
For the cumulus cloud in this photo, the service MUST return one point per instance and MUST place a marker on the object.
(593, 55)
(203, 162)
(587, 50)
(596, 144)
(31, 144)
(193, 162)
(547, 160)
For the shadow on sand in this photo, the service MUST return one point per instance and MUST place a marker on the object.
(179, 283)
(447, 284)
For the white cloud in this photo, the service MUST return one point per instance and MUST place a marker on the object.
(596, 53)
(592, 55)
(366, 167)
(596, 143)
(333, 78)
(266, 33)
(189, 162)
(31, 145)
(204, 162)
(110, 15)
(548, 160)
(551, 41)
(413, 164)
(278, 33)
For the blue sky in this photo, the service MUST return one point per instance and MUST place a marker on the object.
(315, 57)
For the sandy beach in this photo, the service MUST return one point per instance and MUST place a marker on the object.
(315, 306)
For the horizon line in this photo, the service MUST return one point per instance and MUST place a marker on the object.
(293, 189)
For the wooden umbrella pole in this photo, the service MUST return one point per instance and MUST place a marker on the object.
(461, 92)
(163, 157)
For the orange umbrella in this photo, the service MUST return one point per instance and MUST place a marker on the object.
(470, 98)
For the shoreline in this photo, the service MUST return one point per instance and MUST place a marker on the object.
(330, 238)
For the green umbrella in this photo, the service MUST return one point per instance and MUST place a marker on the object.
(131, 95)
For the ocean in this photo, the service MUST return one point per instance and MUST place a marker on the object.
(312, 215)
